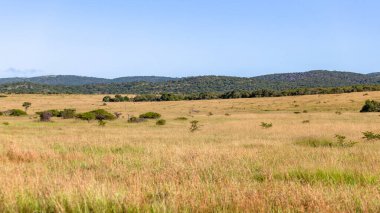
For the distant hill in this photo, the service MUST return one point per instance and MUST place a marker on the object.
(154, 84)
(70, 80)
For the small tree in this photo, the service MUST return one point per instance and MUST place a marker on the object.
(26, 105)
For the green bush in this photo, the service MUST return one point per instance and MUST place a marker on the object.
(150, 115)
(68, 113)
(16, 112)
(371, 106)
(86, 116)
(161, 122)
(101, 114)
(371, 136)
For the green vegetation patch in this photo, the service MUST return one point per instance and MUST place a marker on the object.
(322, 142)
(371, 106)
(328, 177)
(150, 115)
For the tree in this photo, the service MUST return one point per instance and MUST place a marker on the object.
(26, 105)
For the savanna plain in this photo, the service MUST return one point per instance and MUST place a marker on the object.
(294, 162)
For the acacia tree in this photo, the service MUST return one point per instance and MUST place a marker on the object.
(26, 105)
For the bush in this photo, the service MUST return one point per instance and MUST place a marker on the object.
(45, 116)
(371, 136)
(15, 112)
(26, 105)
(68, 113)
(371, 106)
(101, 114)
(266, 125)
(6, 123)
(87, 116)
(117, 98)
(150, 115)
(161, 122)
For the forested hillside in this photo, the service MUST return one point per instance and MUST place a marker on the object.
(217, 84)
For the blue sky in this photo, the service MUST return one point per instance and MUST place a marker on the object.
(110, 38)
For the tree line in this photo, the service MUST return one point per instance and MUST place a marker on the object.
(241, 94)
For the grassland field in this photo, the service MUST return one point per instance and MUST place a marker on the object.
(231, 164)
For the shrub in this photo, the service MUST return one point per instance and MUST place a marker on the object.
(150, 115)
(68, 113)
(117, 98)
(45, 116)
(6, 123)
(266, 125)
(305, 121)
(16, 112)
(194, 125)
(210, 114)
(101, 114)
(371, 106)
(371, 136)
(227, 114)
(161, 122)
(87, 116)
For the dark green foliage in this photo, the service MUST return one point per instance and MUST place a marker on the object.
(6, 123)
(68, 113)
(371, 136)
(194, 125)
(161, 122)
(45, 116)
(117, 98)
(150, 115)
(15, 112)
(101, 114)
(210, 87)
(266, 125)
(371, 106)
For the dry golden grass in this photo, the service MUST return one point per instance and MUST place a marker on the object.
(230, 164)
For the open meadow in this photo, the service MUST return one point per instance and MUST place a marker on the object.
(231, 163)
